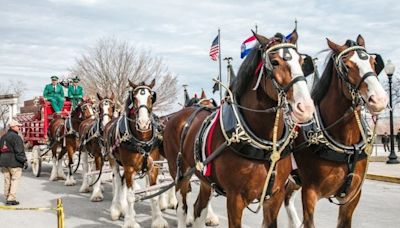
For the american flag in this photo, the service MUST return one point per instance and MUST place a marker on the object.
(214, 50)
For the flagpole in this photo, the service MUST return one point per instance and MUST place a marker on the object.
(295, 28)
(228, 69)
(219, 60)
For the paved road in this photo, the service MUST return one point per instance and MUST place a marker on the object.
(379, 207)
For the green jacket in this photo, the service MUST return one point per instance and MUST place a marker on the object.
(50, 92)
(75, 94)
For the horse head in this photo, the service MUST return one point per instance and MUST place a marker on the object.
(106, 108)
(84, 110)
(284, 67)
(142, 98)
(359, 69)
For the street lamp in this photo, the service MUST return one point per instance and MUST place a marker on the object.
(389, 69)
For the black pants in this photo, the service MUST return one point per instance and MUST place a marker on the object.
(386, 147)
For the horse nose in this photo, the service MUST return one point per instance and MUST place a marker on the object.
(378, 102)
(300, 107)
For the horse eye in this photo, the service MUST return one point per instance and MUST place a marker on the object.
(274, 63)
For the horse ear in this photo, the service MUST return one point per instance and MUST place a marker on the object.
(203, 94)
(360, 41)
(293, 38)
(335, 47)
(99, 96)
(261, 39)
(133, 85)
(112, 96)
(153, 82)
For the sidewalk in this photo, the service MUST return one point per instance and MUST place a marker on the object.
(384, 172)
(379, 170)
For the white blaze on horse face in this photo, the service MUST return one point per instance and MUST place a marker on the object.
(302, 104)
(376, 97)
(106, 116)
(143, 120)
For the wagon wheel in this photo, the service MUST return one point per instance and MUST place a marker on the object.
(36, 161)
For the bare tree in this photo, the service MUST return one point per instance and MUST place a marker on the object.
(395, 86)
(107, 66)
(12, 87)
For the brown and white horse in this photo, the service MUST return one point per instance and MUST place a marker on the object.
(335, 165)
(271, 72)
(91, 134)
(63, 133)
(130, 139)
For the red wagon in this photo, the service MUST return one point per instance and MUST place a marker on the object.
(35, 118)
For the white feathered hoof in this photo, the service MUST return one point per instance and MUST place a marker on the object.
(97, 197)
(189, 220)
(212, 220)
(115, 213)
(162, 203)
(70, 181)
(53, 177)
(84, 189)
(173, 204)
(130, 223)
(61, 176)
(159, 222)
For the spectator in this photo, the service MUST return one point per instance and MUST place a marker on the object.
(385, 142)
(12, 160)
(398, 140)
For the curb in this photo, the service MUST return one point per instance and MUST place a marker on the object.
(390, 179)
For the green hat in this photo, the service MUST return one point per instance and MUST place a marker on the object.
(76, 79)
(54, 78)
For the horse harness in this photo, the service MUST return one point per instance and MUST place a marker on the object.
(316, 134)
(122, 136)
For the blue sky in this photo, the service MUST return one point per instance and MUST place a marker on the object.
(41, 38)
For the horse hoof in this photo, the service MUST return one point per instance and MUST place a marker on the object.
(115, 213)
(213, 221)
(131, 224)
(160, 222)
(96, 199)
(84, 190)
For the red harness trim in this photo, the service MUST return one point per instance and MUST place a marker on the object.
(260, 64)
(209, 142)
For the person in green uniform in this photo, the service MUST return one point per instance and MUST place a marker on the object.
(75, 92)
(55, 94)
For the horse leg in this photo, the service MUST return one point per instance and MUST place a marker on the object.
(53, 175)
(201, 206)
(117, 210)
(70, 178)
(182, 189)
(129, 221)
(235, 206)
(172, 200)
(290, 195)
(346, 212)
(212, 219)
(60, 172)
(97, 194)
(85, 167)
(271, 209)
(157, 220)
(309, 199)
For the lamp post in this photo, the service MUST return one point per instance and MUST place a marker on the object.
(389, 69)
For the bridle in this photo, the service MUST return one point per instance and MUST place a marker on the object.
(106, 101)
(343, 71)
(267, 65)
(133, 108)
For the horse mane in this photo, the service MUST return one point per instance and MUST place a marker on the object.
(246, 72)
(323, 83)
